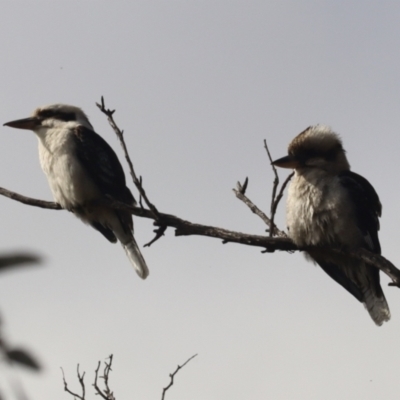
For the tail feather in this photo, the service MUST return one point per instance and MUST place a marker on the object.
(135, 257)
(377, 306)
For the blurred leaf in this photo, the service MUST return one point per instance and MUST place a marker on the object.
(22, 357)
(17, 259)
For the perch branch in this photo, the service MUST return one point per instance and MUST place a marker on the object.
(29, 201)
(181, 226)
(187, 228)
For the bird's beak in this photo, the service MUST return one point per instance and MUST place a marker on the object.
(286, 162)
(26, 123)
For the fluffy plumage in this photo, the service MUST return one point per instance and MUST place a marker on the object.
(330, 206)
(81, 169)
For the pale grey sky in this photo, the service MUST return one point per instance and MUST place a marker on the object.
(197, 86)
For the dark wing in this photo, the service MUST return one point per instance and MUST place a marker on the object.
(367, 207)
(337, 274)
(102, 164)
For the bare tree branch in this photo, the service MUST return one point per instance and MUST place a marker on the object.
(80, 379)
(182, 227)
(239, 192)
(186, 228)
(275, 198)
(120, 134)
(173, 375)
(29, 201)
(280, 194)
(107, 394)
(159, 234)
(276, 179)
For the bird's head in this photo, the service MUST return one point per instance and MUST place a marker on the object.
(317, 147)
(52, 116)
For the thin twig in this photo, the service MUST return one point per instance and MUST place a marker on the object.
(98, 390)
(280, 194)
(120, 134)
(272, 227)
(80, 378)
(107, 394)
(173, 375)
(242, 188)
(29, 201)
(106, 374)
(275, 183)
(140, 194)
(159, 234)
(275, 198)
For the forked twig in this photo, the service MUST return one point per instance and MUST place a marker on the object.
(280, 194)
(241, 196)
(275, 198)
(269, 221)
(173, 375)
(80, 379)
(275, 183)
(107, 394)
(120, 134)
(159, 234)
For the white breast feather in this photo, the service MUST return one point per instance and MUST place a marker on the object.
(319, 211)
(69, 182)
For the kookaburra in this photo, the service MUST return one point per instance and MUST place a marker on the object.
(83, 169)
(330, 206)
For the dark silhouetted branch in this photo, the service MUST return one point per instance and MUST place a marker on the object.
(120, 134)
(182, 227)
(172, 376)
(187, 228)
(81, 382)
(50, 205)
(275, 198)
(106, 394)
(239, 192)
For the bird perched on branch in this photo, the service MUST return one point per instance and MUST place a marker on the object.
(330, 206)
(83, 169)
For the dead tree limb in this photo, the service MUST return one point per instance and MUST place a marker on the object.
(240, 194)
(172, 376)
(187, 228)
(29, 201)
(106, 394)
(120, 134)
(182, 227)
(81, 382)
